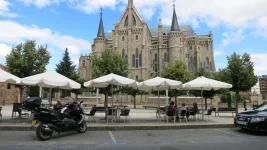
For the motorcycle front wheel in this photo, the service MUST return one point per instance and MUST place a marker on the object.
(42, 134)
(82, 127)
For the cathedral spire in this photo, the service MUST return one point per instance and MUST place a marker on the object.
(175, 25)
(130, 3)
(101, 32)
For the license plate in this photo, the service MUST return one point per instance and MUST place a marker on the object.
(241, 122)
(34, 122)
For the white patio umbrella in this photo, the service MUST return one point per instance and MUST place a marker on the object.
(202, 83)
(158, 84)
(111, 79)
(50, 79)
(7, 77)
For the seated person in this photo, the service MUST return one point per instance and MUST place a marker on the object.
(195, 108)
(171, 108)
(58, 106)
(184, 108)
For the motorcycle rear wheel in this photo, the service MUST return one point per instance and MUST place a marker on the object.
(41, 134)
(82, 127)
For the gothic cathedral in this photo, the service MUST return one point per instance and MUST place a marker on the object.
(149, 50)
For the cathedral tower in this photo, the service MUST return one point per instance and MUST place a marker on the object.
(176, 38)
(100, 41)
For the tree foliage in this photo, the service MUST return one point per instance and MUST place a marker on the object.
(28, 59)
(240, 73)
(133, 92)
(177, 71)
(108, 62)
(67, 68)
(206, 94)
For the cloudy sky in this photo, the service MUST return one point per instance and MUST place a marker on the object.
(237, 25)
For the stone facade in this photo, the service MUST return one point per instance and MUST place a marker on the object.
(149, 50)
(263, 83)
(8, 95)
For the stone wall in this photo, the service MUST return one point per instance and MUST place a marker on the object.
(146, 100)
(9, 96)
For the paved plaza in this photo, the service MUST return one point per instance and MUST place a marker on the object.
(187, 139)
(140, 119)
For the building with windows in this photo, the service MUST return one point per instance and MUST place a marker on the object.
(256, 88)
(263, 83)
(147, 50)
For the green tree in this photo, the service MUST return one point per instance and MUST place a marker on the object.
(133, 92)
(206, 94)
(177, 71)
(27, 59)
(67, 68)
(77, 78)
(240, 73)
(108, 62)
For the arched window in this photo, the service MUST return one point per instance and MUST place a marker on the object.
(210, 66)
(134, 21)
(190, 47)
(180, 40)
(136, 52)
(83, 63)
(136, 37)
(140, 59)
(156, 63)
(123, 53)
(136, 77)
(165, 58)
(126, 59)
(181, 52)
(207, 62)
(133, 60)
(191, 64)
(123, 38)
(126, 21)
(136, 59)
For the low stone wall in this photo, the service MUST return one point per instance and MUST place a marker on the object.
(240, 105)
(146, 100)
(9, 96)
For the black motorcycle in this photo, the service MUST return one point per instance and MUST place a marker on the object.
(50, 120)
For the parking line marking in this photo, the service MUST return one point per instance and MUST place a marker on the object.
(112, 137)
(227, 132)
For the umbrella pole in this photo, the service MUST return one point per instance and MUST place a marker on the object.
(112, 102)
(40, 92)
(50, 97)
(202, 103)
(167, 97)
(158, 99)
(97, 91)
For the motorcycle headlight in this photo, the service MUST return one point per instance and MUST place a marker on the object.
(257, 119)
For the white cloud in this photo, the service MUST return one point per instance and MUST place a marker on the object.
(13, 33)
(4, 50)
(4, 10)
(217, 53)
(237, 13)
(260, 63)
(233, 37)
(262, 26)
(40, 3)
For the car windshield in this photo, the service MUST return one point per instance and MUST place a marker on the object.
(262, 108)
